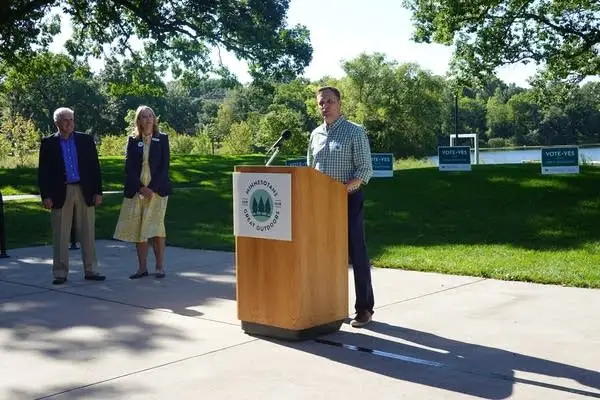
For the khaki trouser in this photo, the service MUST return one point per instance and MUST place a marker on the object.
(62, 220)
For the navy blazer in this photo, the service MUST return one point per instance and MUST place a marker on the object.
(52, 175)
(159, 159)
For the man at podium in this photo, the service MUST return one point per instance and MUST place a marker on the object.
(340, 149)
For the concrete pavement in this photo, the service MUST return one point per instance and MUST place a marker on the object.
(433, 337)
(14, 197)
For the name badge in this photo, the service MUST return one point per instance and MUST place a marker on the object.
(155, 139)
(334, 146)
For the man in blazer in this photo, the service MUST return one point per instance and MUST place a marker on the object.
(70, 184)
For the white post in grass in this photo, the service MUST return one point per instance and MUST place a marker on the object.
(470, 136)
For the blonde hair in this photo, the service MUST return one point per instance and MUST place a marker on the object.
(136, 122)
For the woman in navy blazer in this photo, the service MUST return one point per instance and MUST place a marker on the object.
(146, 192)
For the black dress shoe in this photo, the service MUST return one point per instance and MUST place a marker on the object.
(95, 277)
(159, 275)
(138, 275)
(59, 281)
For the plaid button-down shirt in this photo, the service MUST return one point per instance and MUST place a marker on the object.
(341, 151)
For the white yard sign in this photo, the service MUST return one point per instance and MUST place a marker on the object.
(262, 205)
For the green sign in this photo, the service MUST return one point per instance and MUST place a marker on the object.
(454, 158)
(383, 165)
(560, 160)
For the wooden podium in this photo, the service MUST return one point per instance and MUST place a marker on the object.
(294, 289)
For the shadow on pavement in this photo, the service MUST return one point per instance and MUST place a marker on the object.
(77, 390)
(81, 320)
(67, 327)
(448, 364)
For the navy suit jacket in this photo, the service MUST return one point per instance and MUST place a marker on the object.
(52, 176)
(159, 159)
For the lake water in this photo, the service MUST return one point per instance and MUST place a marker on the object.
(520, 155)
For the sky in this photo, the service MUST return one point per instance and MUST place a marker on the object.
(342, 29)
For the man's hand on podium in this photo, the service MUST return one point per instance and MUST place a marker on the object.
(353, 185)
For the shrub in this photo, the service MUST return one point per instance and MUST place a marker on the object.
(187, 144)
(202, 144)
(5, 147)
(275, 122)
(30, 160)
(497, 142)
(181, 144)
(22, 135)
(239, 140)
(112, 145)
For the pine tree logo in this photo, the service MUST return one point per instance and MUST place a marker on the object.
(261, 204)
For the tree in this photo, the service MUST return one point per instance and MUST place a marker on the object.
(274, 122)
(556, 127)
(261, 207)
(178, 33)
(180, 108)
(239, 140)
(558, 34)
(126, 85)
(526, 117)
(400, 106)
(221, 125)
(499, 121)
(47, 82)
(5, 147)
(298, 95)
(249, 99)
(471, 115)
(22, 135)
(254, 206)
(23, 24)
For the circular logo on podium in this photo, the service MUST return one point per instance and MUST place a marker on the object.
(262, 206)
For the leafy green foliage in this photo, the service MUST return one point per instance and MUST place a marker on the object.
(176, 34)
(222, 123)
(39, 84)
(112, 145)
(273, 123)
(406, 110)
(5, 146)
(498, 118)
(561, 35)
(181, 108)
(497, 142)
(525, 115)
(133, 77)
(22, 135)
(239, 140)
(472, 115)
(186, 144)
(400, 106)
(24, 23)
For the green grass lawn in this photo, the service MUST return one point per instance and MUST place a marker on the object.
(188, 170)
(498, 221)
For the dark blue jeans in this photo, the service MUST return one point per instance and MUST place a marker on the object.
(357, 247)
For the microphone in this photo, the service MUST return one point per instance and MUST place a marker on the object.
(284, 135)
